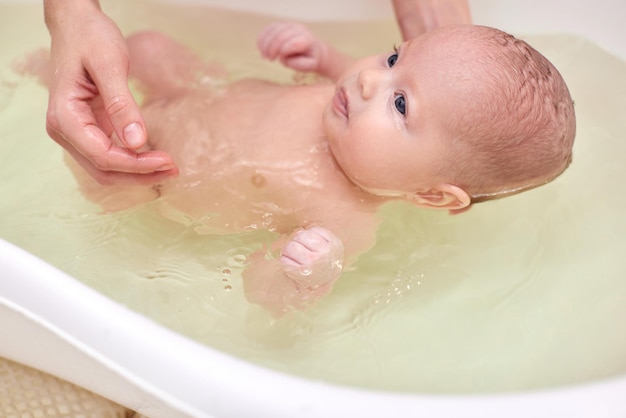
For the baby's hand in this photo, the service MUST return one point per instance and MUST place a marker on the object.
(293, 44)
(313, 258)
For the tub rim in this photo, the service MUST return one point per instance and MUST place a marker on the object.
(51, 305)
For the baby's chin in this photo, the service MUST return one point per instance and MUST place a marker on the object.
(384, 192)
(327, 116)
(331, 130)
(375, 190)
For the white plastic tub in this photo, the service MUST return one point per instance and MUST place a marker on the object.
(52, 322)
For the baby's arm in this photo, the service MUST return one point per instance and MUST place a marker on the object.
(164, 67)
(309, 263)
(312, 257)
(301, 268)
(296, 47)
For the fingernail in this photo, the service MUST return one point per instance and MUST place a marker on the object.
(133, 135)
(165, 167)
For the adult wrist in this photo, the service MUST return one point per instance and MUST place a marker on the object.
(56, 12)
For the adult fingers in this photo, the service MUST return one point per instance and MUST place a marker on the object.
(141, 161)
(110, 75)
(72, 124)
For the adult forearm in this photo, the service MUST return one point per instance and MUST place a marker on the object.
(58, 12)
(418, 16)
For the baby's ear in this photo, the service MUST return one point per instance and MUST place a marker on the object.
(444, 196)
(457, 211)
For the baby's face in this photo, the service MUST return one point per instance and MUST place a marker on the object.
(383, 124)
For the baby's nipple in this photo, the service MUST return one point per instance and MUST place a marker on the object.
(258, 180)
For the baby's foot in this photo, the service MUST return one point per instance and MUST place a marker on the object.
(313, 259)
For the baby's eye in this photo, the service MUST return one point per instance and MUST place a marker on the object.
(391, 60)
(400, 103)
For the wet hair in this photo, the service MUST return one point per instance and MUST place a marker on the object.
(518, 131)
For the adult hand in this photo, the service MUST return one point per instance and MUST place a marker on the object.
(416, 17)
(91, 112)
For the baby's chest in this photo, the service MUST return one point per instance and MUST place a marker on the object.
(251, 197)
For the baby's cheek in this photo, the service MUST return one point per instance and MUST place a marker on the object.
(366, 162)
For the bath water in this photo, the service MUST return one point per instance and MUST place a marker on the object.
(523, 293)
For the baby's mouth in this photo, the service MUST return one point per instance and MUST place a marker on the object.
(340, 102)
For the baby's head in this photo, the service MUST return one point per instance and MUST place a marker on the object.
(457, 116)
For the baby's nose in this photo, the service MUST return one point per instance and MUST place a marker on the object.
(368, 80)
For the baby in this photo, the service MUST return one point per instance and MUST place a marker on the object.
(457, 116)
